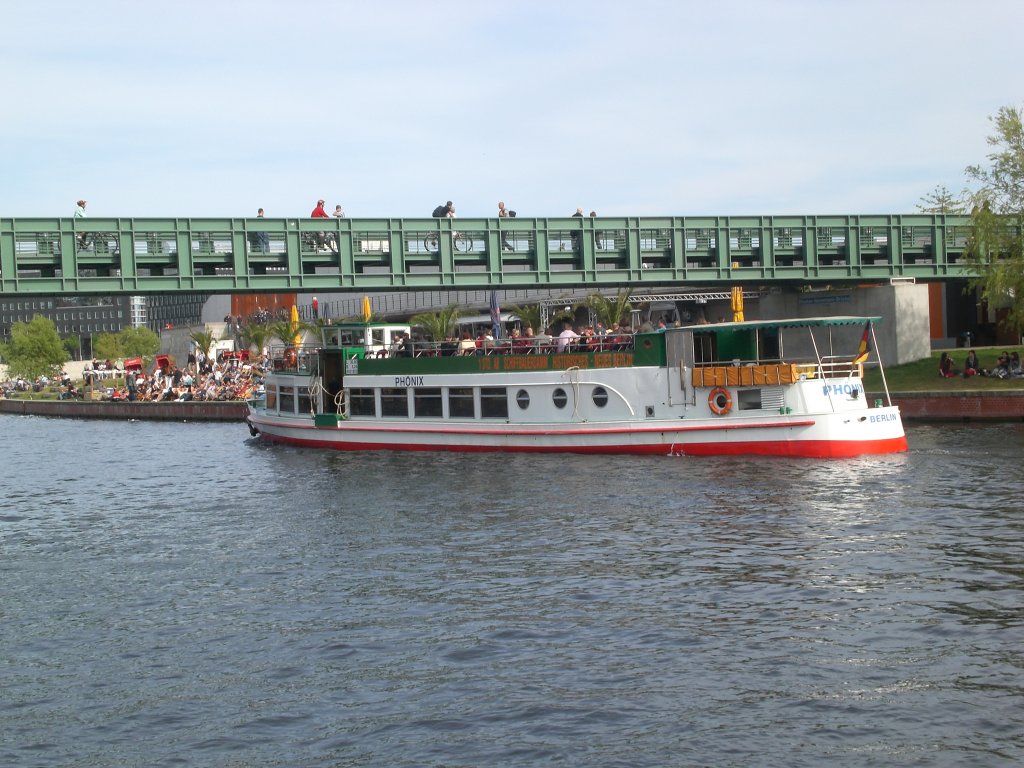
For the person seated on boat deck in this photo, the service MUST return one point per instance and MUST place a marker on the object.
(466, 345)
(520, 344)
(972, 366)
(405, 345)
(946, 369)
(589, 340)
(449, 346)
(543, 341)
(567, 338)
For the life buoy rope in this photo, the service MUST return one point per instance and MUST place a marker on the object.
(720, 401)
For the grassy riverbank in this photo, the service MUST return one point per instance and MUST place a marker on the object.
(923, 375)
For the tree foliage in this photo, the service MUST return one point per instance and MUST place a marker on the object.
(941, 200)
(996, 251)
(139, 342)
(256, 337)
(529, 316)
(610, 312)
(440, 324)
(128, 342)
(204, 341)
(35, 349)
(285, 331)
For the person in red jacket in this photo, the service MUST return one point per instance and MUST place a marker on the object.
(322, 240)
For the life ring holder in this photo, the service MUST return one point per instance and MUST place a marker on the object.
(720, 401)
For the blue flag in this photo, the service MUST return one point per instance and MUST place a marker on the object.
(495, 316)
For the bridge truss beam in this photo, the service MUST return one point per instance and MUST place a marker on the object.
(139, 256)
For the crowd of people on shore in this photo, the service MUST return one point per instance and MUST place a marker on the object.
(1006, 366)
(200, 380)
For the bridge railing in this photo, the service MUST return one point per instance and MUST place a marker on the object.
(140, 255)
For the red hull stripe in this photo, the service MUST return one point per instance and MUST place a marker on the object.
(793, 448)
(456, 431)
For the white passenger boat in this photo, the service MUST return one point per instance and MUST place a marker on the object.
(726, 388)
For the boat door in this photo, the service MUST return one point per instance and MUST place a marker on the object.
(333, 377)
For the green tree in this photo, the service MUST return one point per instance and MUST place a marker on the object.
(609, 312)
(437, 325)
(529, 316)
(285, 331)
(35, 349)
(138, 342)
(941, 200)
(256, 337)
(107, 346)
(996, 252)
(204, 341)
(73, 345)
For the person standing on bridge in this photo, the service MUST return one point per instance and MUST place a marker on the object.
(503, 213)
(576, 242)
(260, 240)
(80, 214)
(321, 237)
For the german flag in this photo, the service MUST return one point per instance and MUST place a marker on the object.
(865, 347)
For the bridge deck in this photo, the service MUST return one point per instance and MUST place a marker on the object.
(90, 256)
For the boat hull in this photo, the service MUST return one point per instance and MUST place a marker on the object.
(814, 436)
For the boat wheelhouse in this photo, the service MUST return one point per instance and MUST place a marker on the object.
(757, 387)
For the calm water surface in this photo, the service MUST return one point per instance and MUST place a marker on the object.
(175, 594)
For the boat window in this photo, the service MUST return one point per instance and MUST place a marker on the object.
(394, 402)
(305, 406)
(523, 399)
(361, 402)
(426, 402)
(272, 397)
(559, 398)
(748, 399)
(600, 397)
(460, 402)
(493, 403)
(287, 399)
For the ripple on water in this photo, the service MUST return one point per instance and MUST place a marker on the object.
(178, 594)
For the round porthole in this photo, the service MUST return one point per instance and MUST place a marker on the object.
(523, 399)
(559, 398)
(600, 397)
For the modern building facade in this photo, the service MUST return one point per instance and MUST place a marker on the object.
(89, 316)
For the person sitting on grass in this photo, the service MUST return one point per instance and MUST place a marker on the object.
(971, 365)
(1002, 369)
(946, 369)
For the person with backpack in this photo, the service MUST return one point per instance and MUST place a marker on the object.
(444, 210)
(505, 213)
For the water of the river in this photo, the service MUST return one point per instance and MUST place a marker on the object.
(176, 594)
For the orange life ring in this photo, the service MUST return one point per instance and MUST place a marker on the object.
(720, 401)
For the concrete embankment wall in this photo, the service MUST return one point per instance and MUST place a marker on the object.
(85, 409)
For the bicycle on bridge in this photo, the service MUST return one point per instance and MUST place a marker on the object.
(99, 242)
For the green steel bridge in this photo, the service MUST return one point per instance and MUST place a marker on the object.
(141, 255)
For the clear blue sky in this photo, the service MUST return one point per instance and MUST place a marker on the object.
(628, 108)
